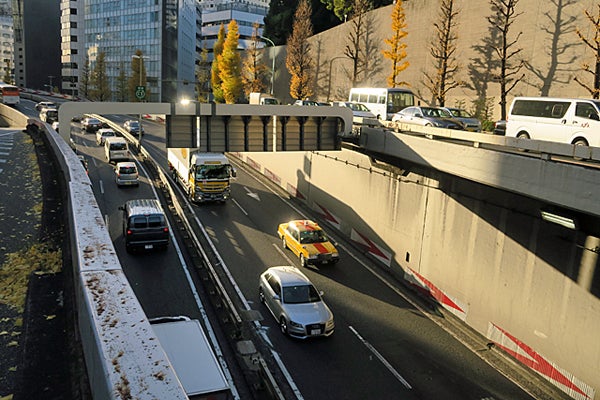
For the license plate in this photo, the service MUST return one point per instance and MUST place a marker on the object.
(149, 246)
(315, 331)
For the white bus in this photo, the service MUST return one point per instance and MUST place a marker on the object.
(9, 94)
(572, 121)
(383, 102)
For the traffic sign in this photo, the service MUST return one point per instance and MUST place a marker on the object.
(140, 92)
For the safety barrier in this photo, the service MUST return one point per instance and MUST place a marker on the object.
(123, 356)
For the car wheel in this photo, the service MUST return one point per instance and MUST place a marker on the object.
(283, 326)
(581, 142)
(302, 260)
(283, 243)
(261, 295)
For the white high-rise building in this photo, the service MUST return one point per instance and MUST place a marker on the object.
(215, 13)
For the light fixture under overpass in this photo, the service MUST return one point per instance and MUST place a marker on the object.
(564, 221)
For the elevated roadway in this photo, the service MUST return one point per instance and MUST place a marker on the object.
(452, 237)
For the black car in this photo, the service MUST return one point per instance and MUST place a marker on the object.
(500, 127)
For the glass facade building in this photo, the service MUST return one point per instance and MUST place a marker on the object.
(164, 31)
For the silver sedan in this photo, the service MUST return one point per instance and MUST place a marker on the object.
(295, 303)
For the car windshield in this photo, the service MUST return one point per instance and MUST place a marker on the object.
(300, 294)
(461, 113)
(435, 112)
(212, 172)
(358, 107)
(307, 237)
(133, 124)
(108, 133)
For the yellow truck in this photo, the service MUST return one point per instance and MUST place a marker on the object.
(204, 176)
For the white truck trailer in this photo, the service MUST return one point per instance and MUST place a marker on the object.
(262, 98)
(204, 176)
(192, 358)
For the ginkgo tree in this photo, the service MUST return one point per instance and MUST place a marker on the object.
(254, 72)
(230, 65)
(397, 51)
(443, 51)
(299, 61)
(215, 78)
(594, 45)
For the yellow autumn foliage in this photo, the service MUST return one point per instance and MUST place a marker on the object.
(15, 272)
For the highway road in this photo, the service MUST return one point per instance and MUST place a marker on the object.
(388, 343)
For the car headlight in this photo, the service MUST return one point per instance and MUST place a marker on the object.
(335, 254)
(295, 324)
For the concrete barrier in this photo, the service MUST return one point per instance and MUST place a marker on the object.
(123, 356)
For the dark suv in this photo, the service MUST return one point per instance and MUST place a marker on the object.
(144, 225)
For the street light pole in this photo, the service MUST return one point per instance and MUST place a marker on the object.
(140, 128)
(273, 60)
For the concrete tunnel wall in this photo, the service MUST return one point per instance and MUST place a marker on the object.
(484, 254)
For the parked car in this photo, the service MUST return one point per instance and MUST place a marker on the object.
(308, 242)
(126, 174)
(295, 303)
(132, 126)
(102, 134)
(55, 126)
(90, 124)
(427, 116)
(500, 127)
(470, 123)
(358, 109)
(45, 104)
(305, 103)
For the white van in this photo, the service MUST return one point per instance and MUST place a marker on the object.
(116, 149)
(572, 121)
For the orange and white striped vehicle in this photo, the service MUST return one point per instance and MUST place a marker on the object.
(308, 242)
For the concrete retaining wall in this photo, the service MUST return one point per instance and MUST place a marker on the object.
(484, 254)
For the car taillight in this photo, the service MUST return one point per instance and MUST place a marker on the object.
(165, 229)
(129, 232)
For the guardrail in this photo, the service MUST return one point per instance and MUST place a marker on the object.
(543, 147)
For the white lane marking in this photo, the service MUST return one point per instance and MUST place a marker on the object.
(383, 280)
(252, 194)
(101, 186)
(239, 206)
(280, 250)
(207, 325)
(244, 301)
(381, 358)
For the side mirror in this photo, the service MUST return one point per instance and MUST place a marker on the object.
(233, 172)
(419, 115)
